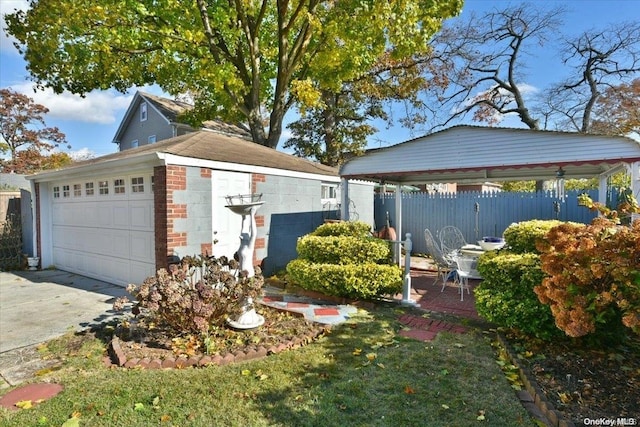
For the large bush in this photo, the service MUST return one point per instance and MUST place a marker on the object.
(364, 280)
(506, 297)
(200, 293)
(521, 237)
(343, 259)
(593, 278)
(343, 249)
(343, 228)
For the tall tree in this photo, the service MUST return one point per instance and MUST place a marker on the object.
(617, 110)
(600, 61)
(339, 125)
(30, 161)
(487, 55)
(22, 126)
(243, 60)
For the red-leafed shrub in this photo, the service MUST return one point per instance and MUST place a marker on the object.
(593, 278)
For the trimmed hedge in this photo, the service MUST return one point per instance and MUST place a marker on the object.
(343, 250)
(349, 281)
(343, 259)
(506, 297)
(343, 228)
(521, 237)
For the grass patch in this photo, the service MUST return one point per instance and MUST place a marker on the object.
(361, 374)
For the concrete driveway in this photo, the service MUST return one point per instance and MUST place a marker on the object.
(36, 306)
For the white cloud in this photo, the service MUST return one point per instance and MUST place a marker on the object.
(82, 154)
(6, 7)
(102, 107)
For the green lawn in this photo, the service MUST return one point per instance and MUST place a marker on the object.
(362, 374)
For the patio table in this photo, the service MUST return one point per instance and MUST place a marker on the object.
(472, 251)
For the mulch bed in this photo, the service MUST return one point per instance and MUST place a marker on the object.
(157, 347)
(580, 384)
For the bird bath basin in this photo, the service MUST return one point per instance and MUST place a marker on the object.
(243, 204)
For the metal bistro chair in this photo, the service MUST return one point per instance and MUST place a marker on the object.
(445, 266)
(451, 241)
(465, 266)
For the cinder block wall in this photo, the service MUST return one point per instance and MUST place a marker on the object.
(190, 211)
(292, 209)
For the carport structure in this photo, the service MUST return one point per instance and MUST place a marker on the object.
(473, 154)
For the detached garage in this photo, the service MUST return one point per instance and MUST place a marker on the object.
(120, 217)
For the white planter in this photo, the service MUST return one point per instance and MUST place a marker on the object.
(33, 262)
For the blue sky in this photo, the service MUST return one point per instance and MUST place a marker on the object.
(91, 122)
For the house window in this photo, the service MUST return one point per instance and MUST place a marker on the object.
(65, 191)
(88, 188)
(137, 185)
(134, 143)
(56, 192)
(153, 184)
(329, 192)
(103, 188)
(143, 112)
(151, 139)
(118, 186)
(77, 190)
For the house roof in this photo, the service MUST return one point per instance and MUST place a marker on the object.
(170, 109)
(207, 146)
(477, 154)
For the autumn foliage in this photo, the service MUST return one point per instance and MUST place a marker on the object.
(593, 277)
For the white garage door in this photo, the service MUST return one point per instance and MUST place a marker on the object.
(103, 228)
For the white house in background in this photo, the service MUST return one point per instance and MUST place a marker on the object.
(122, 216)
(152, 118)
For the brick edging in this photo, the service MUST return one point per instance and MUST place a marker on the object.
(118, 355)
(539, 398)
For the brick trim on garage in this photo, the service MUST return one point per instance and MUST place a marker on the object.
(38, 214)
(160, 216)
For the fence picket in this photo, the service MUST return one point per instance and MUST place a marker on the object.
(497, 210)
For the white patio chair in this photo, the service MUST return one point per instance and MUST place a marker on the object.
(451, 241)
(465, 265)
(445, 266)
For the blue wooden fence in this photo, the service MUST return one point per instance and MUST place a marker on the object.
(476, 214)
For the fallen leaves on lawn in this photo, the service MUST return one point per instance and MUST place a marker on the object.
(24, 404)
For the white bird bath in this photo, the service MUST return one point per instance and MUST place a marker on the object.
(246, 206)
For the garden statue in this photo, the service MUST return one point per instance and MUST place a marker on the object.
(246, 206)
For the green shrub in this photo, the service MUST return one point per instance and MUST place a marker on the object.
(360, 281)
(343, 228)
(343, 259)
(506, 297)
(343, 249)
(521, 237)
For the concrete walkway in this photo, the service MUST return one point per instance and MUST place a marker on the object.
(37, 306)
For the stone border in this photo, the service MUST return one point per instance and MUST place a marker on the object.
(119, 357)
(539, 399)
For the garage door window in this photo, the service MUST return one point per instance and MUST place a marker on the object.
(65, 191)
(137, 185)
(56, 192)
(103, 188)
(77, 190)
(118, 186)
(88, 188)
